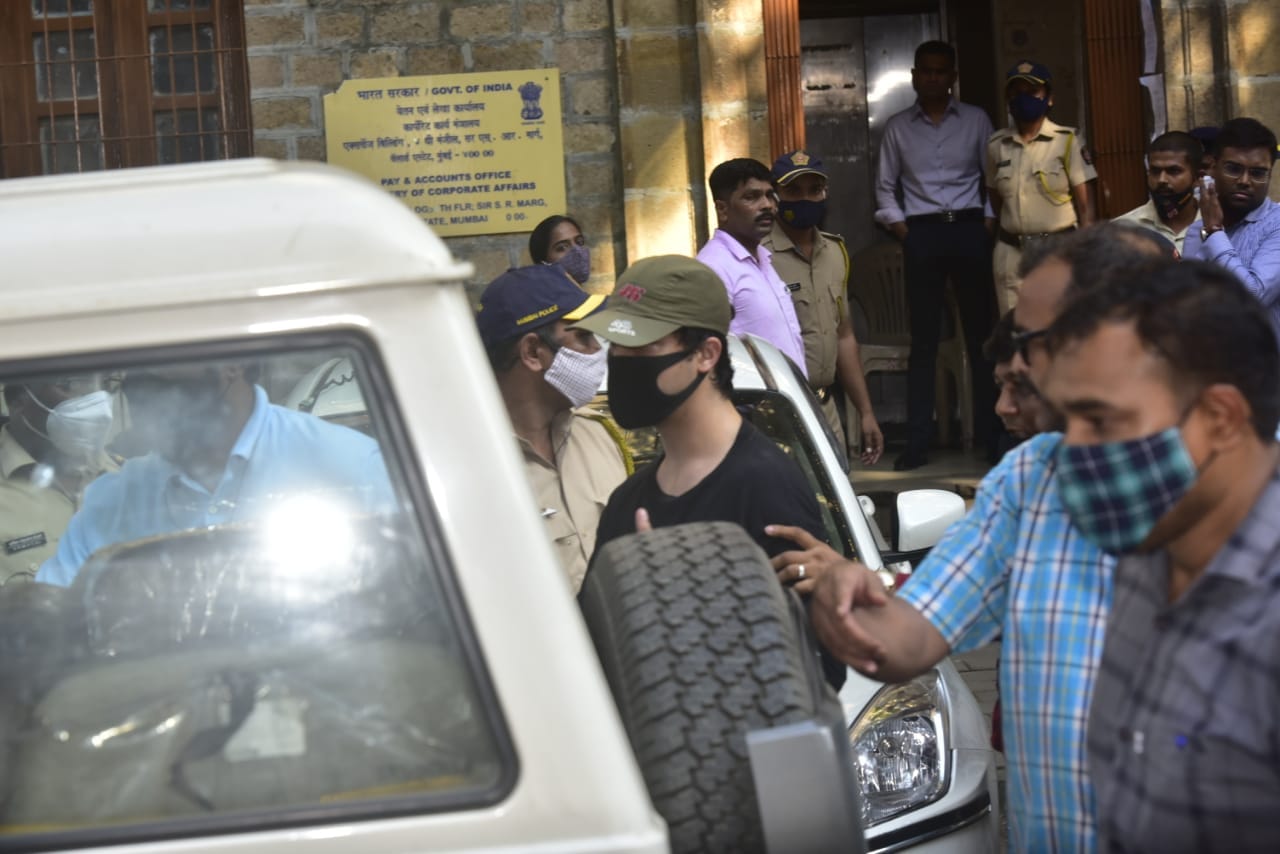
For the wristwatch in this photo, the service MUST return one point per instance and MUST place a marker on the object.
(1205, 232)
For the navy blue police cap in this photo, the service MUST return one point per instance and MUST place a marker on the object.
(526, 298)
(1032, 72)
(794, 164)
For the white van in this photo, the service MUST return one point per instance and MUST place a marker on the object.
(272, 624)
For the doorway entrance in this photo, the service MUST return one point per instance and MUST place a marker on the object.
(856, 72)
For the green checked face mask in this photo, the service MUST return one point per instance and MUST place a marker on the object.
(1117, 491)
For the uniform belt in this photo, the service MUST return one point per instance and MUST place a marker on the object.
(963, 215)
(1019, 241)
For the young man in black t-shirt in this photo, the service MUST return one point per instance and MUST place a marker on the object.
(754, 485)
(669, 368)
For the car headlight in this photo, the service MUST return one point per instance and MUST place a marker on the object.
(900, 748)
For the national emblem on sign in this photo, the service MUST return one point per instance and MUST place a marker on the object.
(531, 93)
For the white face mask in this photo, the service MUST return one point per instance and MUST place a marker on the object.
(79, 427)
(577, 375)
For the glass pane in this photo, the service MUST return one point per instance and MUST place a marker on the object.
(176, 5)
(188, 136)
(177, 65)
(60, 8)
(60, 140)
(240, 617)
(57, 77)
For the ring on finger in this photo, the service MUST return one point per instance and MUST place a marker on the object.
(800, 574)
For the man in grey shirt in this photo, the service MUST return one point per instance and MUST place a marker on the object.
(1167, 383)
(932, 156)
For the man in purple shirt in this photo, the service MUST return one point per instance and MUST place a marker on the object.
(931, 158)
(746, 206)
(1239, 226)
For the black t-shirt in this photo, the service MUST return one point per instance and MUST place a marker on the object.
(756, 484)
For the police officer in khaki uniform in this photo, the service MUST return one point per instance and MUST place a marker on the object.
(814, 266)
(573, 459)
(1039, 175)
(43, 479)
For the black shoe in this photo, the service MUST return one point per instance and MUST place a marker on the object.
(910, 460)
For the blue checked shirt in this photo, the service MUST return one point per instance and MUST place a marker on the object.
(1251, 250)
(1016, 566)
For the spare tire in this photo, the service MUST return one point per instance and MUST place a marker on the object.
(701, 645)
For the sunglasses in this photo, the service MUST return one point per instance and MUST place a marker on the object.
(1022, 342)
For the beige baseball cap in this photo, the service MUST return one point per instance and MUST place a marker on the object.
(656, 296)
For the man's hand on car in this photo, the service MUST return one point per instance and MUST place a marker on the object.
(837, 594)
(802, 568)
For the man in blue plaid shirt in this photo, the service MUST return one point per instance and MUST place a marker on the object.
(1015, 566)
(1167, 381)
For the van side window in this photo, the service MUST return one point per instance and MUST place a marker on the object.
(227, 609)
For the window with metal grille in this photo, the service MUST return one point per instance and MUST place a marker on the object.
(101, 84)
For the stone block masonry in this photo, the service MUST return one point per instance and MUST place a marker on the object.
(1221, 59)
(300, 50)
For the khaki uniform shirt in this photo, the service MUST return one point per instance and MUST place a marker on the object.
(1034, 179)
(818, 289)
(572, 493)
(32, 518)
(1147, 217)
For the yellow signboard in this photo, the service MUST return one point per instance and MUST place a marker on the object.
(469, 153)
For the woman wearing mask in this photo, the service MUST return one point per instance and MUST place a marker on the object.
(558, 240)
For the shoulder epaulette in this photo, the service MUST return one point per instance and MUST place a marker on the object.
(615, 433)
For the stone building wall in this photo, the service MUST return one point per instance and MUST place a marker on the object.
(653, 91)
(300, 50)
(1221, 58)
(692, 91)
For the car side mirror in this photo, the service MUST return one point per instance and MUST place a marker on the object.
(924, 515)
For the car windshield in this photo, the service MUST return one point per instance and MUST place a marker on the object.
(219, 597)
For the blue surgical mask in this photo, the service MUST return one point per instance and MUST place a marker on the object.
(803, 214)
(577, 263)
(1025, 107)
(1116, 492)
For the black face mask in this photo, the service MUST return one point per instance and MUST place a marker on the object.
(1169, 202)
(634, 397)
